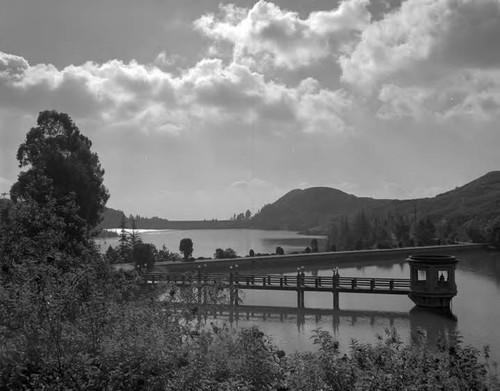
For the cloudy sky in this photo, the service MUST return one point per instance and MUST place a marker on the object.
(202, 109)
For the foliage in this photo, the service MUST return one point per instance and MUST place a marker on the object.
(61, 164)
(29, 230)
(228, 253)
(186, 248)
(219, 253)
(425, 232)
(143, 255)
(389, 365)
(69, 321)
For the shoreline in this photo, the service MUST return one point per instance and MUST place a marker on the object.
(338, 258)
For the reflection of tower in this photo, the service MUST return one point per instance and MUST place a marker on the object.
(438, 326)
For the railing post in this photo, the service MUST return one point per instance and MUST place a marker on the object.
(372, 284)
(300, 293)
(391, 285)
(335, 289)
(354, 283)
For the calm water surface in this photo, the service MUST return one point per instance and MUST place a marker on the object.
(364, 316)
(206, 241)
(361, 316)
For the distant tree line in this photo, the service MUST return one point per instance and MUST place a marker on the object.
(366, 231)
(242, 216)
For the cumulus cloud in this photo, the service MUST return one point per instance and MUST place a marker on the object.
(423, 40)
(267, 35)
(430, 59)
(11, 66)
(400, 40)
(149, 98)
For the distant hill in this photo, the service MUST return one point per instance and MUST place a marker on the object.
(313, 207)
(112, 218)
(474, 204)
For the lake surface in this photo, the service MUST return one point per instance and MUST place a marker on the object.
(206, 241)
(361, 316)
(364, 316)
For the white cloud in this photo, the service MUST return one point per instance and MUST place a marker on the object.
(151, 99)
(267, 35)
(400, 40)
(11, 66)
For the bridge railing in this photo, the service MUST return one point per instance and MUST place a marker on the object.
(278, 280)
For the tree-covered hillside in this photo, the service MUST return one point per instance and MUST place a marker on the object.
(467, 213)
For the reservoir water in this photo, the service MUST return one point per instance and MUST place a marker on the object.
(476, 308)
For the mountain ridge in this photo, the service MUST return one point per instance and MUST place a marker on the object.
(475, 203)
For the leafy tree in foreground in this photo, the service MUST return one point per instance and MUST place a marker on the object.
(60, 163)
(186, 248)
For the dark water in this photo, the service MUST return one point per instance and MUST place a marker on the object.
(361, 316)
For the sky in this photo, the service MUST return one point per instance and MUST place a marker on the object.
(200, 109)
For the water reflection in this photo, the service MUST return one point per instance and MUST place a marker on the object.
(437, 327)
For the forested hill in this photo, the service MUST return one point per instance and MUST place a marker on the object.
(313, 207)
(475, 205)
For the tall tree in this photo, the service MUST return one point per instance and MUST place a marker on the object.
(58, 156)
(425, 232)
(186, 248)
(124, 246)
